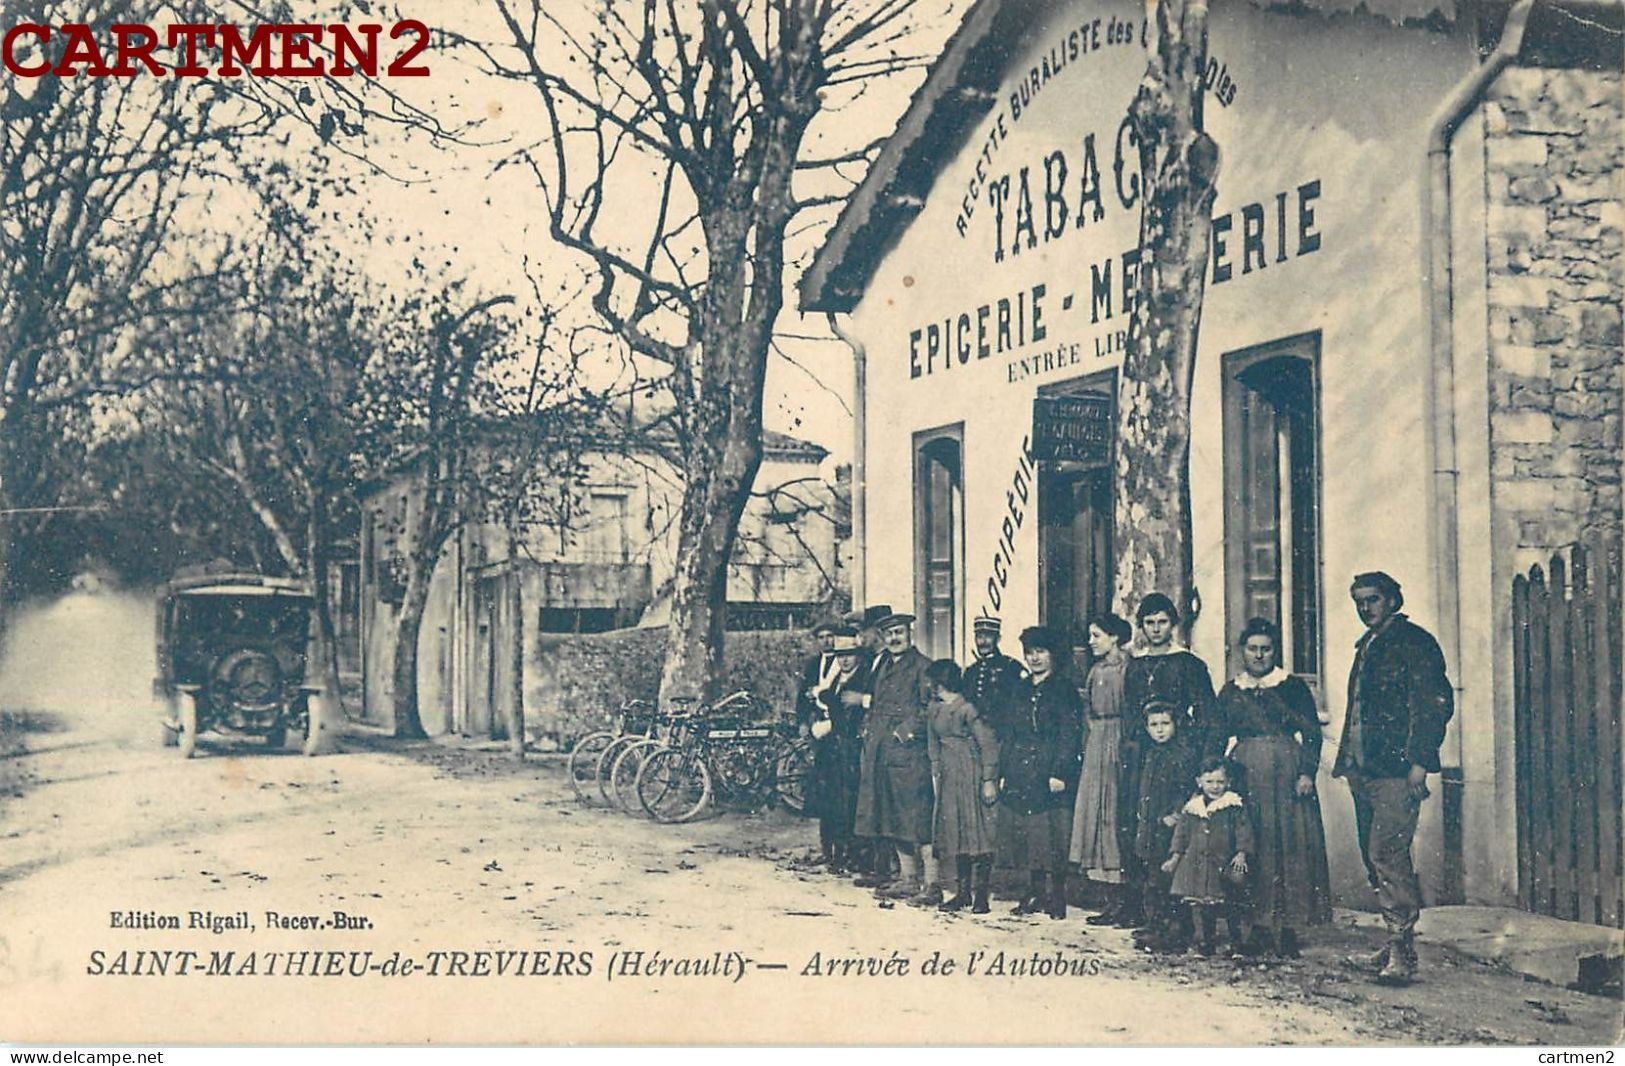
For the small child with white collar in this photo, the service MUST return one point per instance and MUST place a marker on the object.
(1208, 856)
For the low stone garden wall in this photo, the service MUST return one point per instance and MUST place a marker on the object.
(577, 682)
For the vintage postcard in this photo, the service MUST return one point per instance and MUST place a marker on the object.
(811, 522)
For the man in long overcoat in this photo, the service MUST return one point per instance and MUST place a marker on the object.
(1398, 705)
(872, 860)
(894, 786)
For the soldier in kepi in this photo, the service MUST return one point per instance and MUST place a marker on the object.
(1399, 703)
(895, 797)
(992, 681)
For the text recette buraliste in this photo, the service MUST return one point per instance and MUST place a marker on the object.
(202, 50)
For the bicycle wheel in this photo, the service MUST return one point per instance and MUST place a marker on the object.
(791, 772)
(606, 763)
(584, 763)
(623, 775)
(673, 785)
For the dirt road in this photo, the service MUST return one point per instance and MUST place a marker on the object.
(431, 851)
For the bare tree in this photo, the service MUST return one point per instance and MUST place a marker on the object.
(93, 174)
(272, 424)
(675, 135)
(1178, 168)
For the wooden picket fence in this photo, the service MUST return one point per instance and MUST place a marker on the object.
(1566, 649)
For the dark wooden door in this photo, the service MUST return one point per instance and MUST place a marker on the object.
(1075, 547)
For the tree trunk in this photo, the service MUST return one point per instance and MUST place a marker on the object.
(1178, 165)
(326, 710)
(408, 623)
(724, 453)
(516, 648)
(719, 475)
(5, 569)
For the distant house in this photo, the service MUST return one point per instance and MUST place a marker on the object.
(599, 556)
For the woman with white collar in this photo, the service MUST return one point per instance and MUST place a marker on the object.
(1271, 716)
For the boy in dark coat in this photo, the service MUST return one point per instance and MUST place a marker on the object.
(1167, 779)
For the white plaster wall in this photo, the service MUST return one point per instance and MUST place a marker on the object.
(1344, 101)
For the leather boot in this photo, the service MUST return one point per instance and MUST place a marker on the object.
(962, 896)
(1057, 895)
(927, 896)
(1033, 901)
(1105, 917)
(1368, 961)
(1400, 969)
(981, 879)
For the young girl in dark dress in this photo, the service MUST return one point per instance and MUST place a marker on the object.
(1166, 775)
(1208, 856)
(965, 765)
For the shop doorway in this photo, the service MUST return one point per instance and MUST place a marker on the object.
(1075, 514)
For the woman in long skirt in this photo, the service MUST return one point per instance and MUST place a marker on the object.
(1271, 716)
(1038, 772)
(1094, 819)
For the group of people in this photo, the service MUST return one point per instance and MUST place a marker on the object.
(1179, 806)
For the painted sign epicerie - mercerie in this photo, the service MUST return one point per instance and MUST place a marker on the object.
(1050, 197)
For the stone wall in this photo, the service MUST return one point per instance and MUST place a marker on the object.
(581, 680)
(1556, 207)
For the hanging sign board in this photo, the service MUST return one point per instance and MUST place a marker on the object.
(1073, 429)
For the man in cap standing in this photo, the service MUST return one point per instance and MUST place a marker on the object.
(992, 681)
(837, 745)
(813, 672)
(1398, 705)
(894, 787)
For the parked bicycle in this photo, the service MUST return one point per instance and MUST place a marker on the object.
(618, 779)
(736, 754)
(635, 719)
